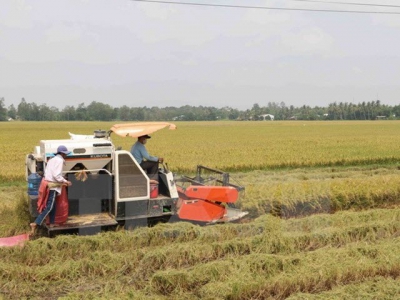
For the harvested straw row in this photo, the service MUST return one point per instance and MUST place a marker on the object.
(278, 277)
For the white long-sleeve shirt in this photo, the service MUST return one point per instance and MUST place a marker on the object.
(53, 172)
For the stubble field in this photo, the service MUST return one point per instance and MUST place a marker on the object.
(324, 218)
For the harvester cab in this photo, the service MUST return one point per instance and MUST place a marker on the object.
(110, 189)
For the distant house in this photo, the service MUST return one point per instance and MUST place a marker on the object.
(381, 117)
(266, 117)
(178, 118)
(10, 119)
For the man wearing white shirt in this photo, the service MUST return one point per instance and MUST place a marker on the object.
(53, 176)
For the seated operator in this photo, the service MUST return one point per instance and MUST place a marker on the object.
(147, 162)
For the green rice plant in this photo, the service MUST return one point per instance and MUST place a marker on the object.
(13, 211)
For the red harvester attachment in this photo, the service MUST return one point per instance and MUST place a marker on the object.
(210, 199)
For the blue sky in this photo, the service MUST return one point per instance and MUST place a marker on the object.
(118, 52)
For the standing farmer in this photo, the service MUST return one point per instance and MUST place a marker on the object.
(51, 187)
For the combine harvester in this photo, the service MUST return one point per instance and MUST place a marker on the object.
(110, 189)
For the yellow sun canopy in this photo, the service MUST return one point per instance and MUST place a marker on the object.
(138, 129)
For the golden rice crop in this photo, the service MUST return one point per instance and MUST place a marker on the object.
(231, 146)
(316, 191)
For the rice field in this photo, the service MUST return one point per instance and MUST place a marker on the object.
(324, 218)
(231, 146)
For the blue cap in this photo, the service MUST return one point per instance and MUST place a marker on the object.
(63, 149)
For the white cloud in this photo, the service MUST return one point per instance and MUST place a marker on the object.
(157, 11)
(309, 41)
(16, 16)
(260, 24)
(176, 24)
(357, 70)
(60, 33)
(386, 20)
(265, 17)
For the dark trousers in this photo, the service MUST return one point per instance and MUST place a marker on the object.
(151, 167)
(50, 209)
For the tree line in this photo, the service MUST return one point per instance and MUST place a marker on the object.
(97, 111)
